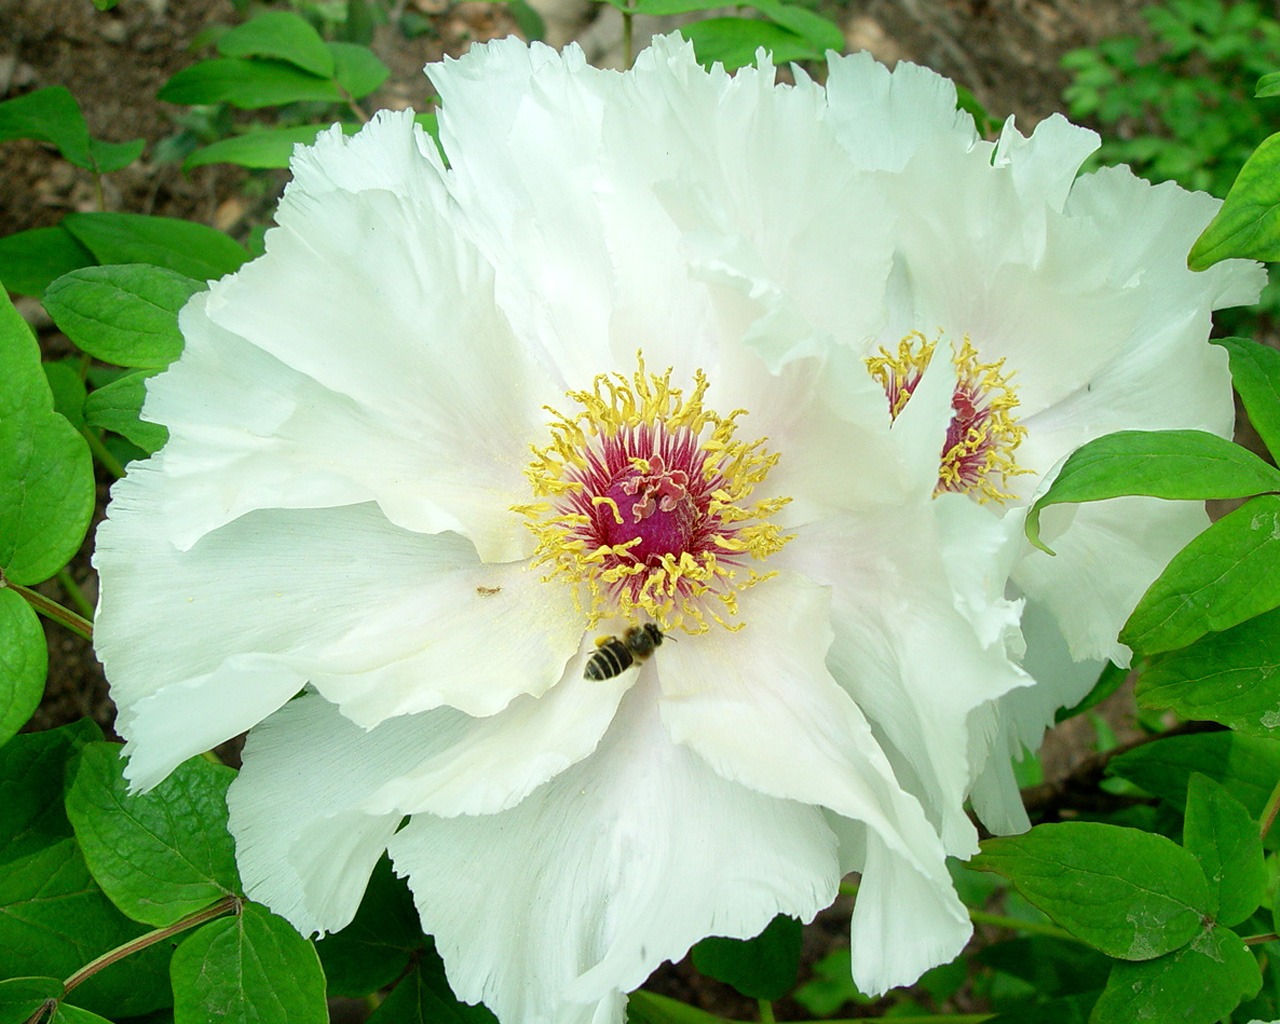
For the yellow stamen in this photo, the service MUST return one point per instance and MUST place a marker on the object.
(689, 590)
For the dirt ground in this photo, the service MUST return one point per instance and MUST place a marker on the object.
(1006, 52)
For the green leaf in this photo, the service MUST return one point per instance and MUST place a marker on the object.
(1268, 85)
(359, 24)
(31, 260)
(111, 156)
(821, 32)
(1248, 225)
(1199, 984)
(1231, 677)
(1131, 894)
(762, 968)
(527, 20)
(1246, 766)
(159, 855)
(21, 997)
(125, 314)
(373, 950)
(24, 663)
(1175, 464)
(236, 970)
(424, 997)
(47, 490)
(733, 42)
(247, 84)
(68, 390)
(1053, 967)
(1073, 1009)
(267, 148)
(663, 8)
(1220, 834)
(1226, 575)
(49, 115)
(831, 985)
(52, 115)
(117, 407)
(53, 917)
(183, 246)
(281, 34)
(356, 68)
(650, 1008)
(1255, 372)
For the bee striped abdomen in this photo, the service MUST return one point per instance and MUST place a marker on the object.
(617, 654)
(611, 659)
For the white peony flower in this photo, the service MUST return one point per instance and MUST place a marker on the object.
(1064, 310)
(458, 426)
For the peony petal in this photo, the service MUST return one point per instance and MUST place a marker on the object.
(1105, 558)
(298, 773)
(899, 928)
(917, 653)
(884, 117)
(753, 202)
(389, 621)
(760, 707)
(392, 378)
(491, 764)
(318, 797)
(1021, 717)
(548, 911)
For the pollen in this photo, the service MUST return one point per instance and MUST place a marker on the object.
(644, 504)
(978, 454)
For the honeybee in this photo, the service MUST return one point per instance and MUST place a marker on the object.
(614, 655)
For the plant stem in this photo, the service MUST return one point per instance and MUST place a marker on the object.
(1018, 925)
(109, 462)
(766, 1012)
(628, 40)
(352, 105)
(1269, 812)
(151, 938)
(52, 610)
(1258, 940)
(73, 591)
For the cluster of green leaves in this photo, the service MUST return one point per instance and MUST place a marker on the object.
(788, 31)
(118, 904)
(1179, 106)
(277, 59)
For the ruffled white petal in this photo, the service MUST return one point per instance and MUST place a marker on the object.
(761, 708)
(883, 117)
(899, 928)
(1104, 560)
(318, 797)
(909, 649)
(548, 911)
(1018, 719)
(385, 621)
(363, 358)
